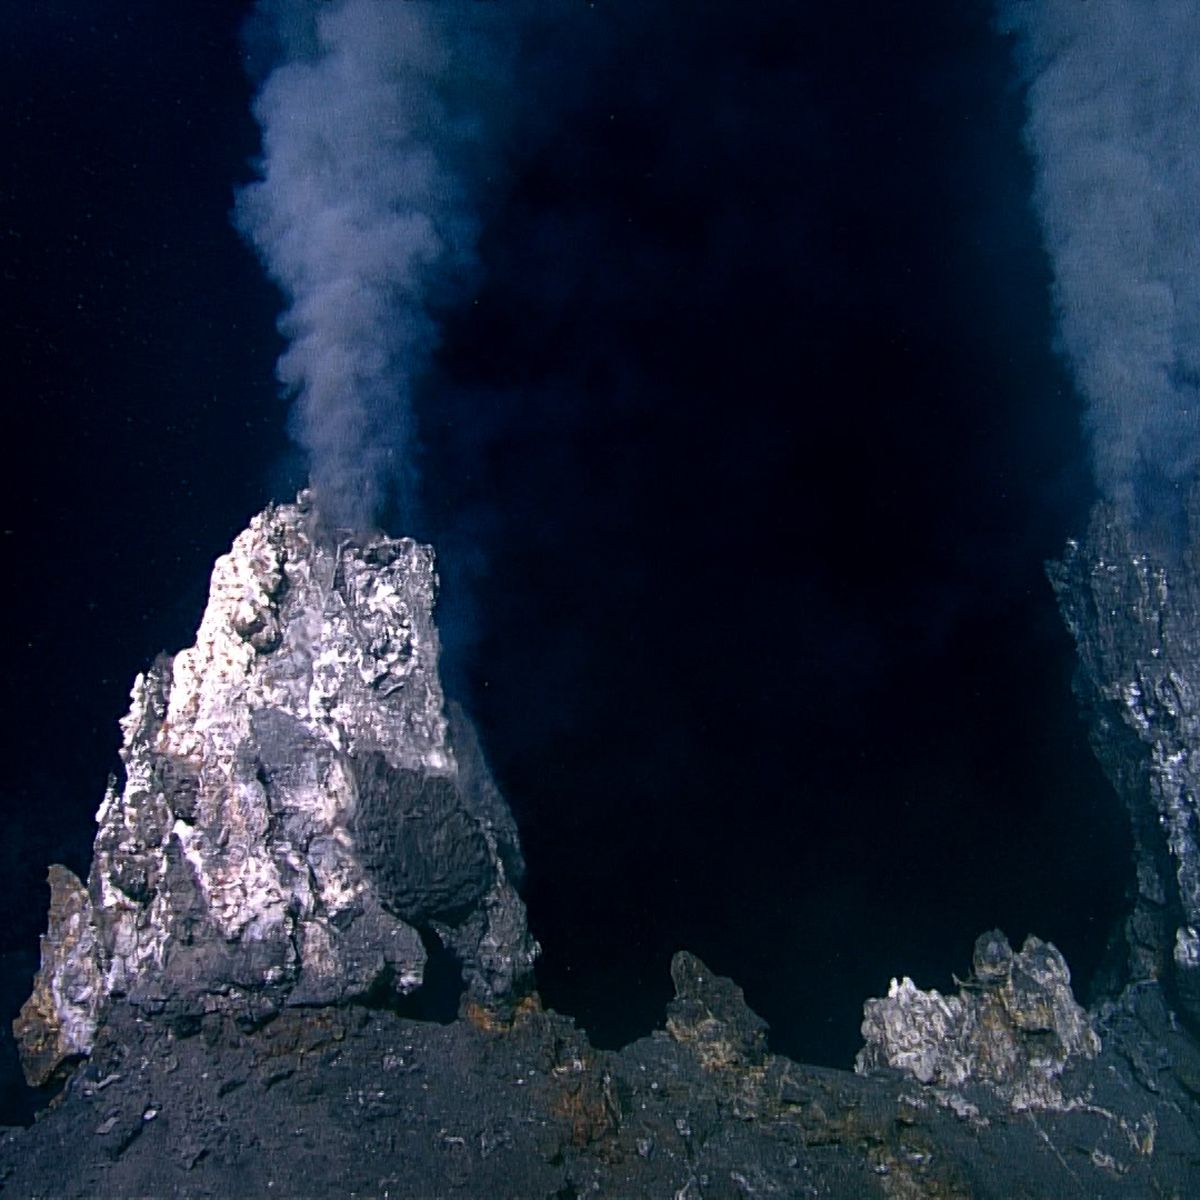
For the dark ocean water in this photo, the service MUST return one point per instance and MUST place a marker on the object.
(742, 467)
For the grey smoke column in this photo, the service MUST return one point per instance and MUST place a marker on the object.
(1114, 125)
(372, 132)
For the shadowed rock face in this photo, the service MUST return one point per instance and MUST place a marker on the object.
(1135, 617)
(294, 815)
(424, 851)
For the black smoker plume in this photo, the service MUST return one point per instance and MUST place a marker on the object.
(376, 117)
(1114, 127)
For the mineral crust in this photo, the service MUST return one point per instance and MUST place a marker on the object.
(301, 816)
(1014, 1027)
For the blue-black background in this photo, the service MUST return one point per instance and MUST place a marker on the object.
(742, 464)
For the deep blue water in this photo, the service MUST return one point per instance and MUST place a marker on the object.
(742, 467)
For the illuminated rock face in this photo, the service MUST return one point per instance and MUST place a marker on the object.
(299, 807)
(1014, 1027)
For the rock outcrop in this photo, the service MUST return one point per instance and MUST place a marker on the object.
(1135, 617)
(301, 816)
(1014, 1027)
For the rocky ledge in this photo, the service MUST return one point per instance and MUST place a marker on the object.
(308, 850)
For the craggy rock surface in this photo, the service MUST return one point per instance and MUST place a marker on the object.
(1135, 617)
(309, 862)
(350, 1100)
(300, 816)
(1014, 1027)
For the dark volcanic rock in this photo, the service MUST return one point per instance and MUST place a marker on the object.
(424, 851)
(1135, 617)
(710, 1014)
(355, 1101)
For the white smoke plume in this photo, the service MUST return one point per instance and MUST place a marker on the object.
(375, 123)
(1114, 127)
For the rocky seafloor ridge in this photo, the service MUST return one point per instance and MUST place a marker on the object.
(300, 965)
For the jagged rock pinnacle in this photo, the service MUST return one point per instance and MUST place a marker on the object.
(1135, 618)
(300, 807)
